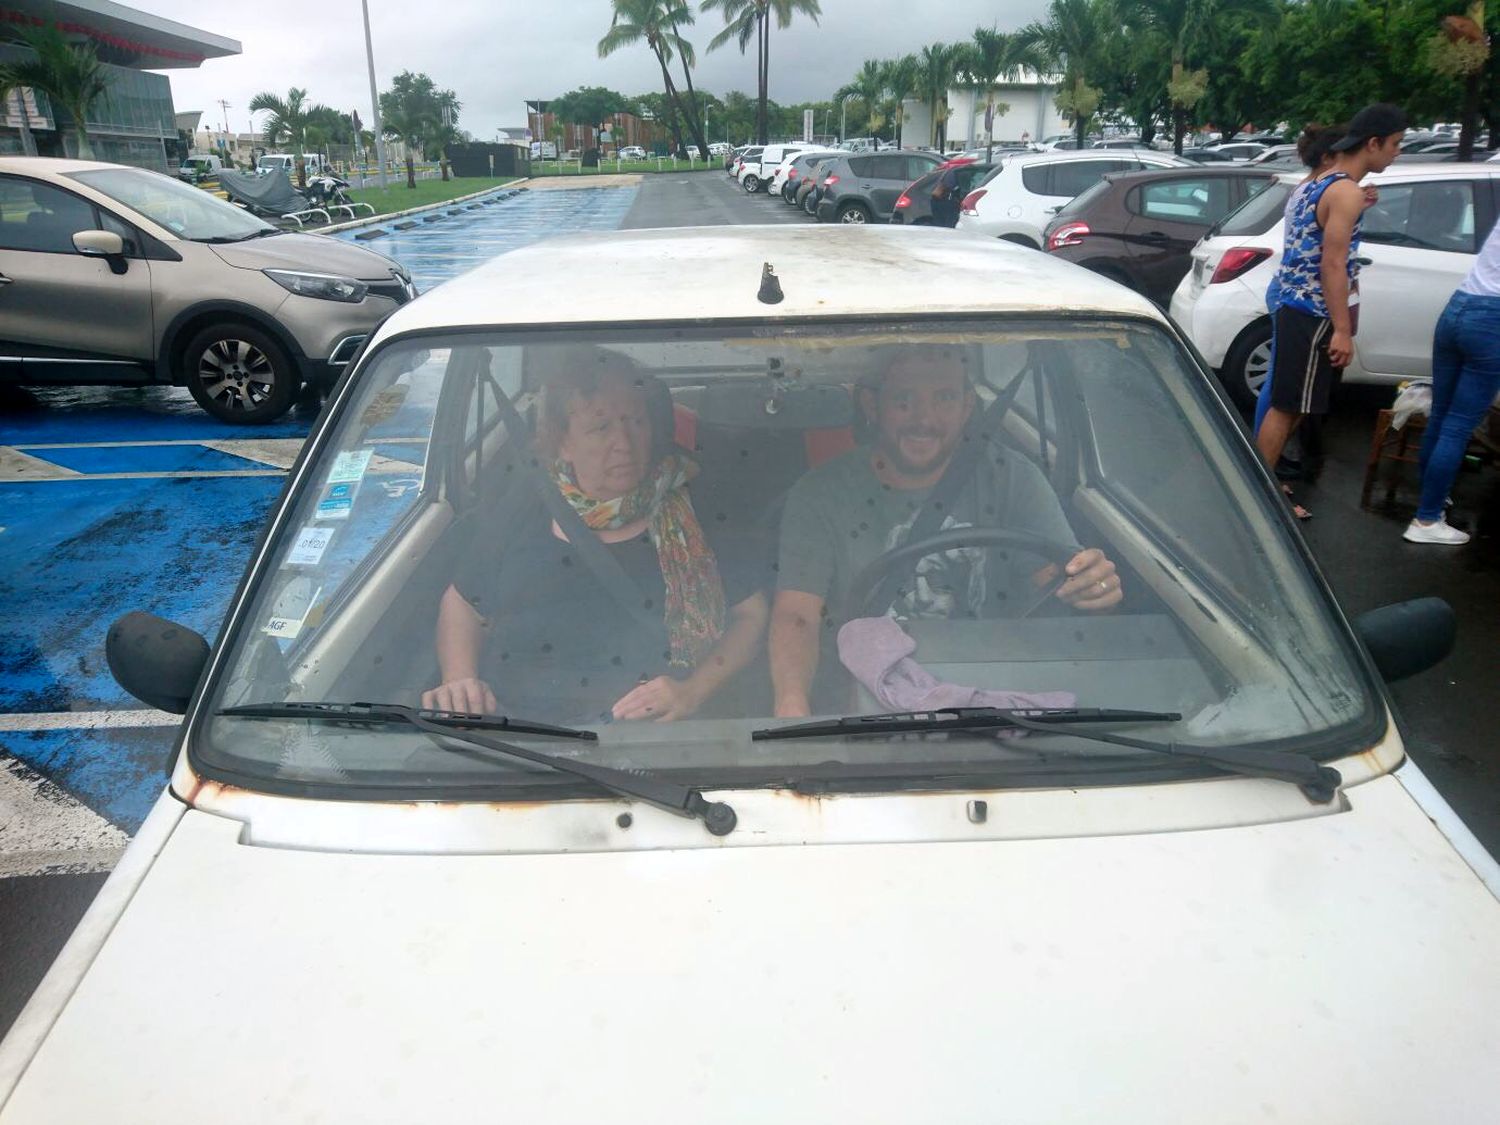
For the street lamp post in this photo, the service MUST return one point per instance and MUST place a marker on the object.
(843, 116)
(374, 97)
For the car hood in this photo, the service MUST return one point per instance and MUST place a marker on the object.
(1336, 968)
(315, 253)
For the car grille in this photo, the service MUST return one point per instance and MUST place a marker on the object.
(393, 290)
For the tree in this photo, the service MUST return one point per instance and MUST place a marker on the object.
(738, 115)
(654, 22)
(415, 111)
(589, 105)
(68, 73)
(1073, 39)
(288, 124)
(747, 19)
(990, 57)
(868, 86)
(902, 78)
(939, 65)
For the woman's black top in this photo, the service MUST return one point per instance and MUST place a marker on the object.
(559, 645)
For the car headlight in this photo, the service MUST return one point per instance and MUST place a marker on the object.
(324, 286)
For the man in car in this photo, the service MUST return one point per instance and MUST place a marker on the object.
(849, 511)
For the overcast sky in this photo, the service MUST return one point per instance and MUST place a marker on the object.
(495, 56)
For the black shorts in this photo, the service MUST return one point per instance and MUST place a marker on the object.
(1302, 375)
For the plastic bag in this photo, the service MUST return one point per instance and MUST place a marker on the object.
(1414, 398)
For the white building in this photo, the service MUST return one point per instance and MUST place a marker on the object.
(1030, 114)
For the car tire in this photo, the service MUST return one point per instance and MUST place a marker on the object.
(853, 213)
(751, 183)
(1248, 364)
(810, 205)
(788, 195)
(239, 373)
(1114, 273)
(1020, 240)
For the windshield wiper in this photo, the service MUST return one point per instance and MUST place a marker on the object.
(1317, 781)
(718, 817)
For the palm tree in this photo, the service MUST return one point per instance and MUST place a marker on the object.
(411, 122)
(939, 65)
(868, 86)
(288, 123)
(902, 78)
(654, 23)
(69, 73)
(744, 19)
(697, 118)
(1072, 39)
(28, 142)
(1189, 27)
(990, 57)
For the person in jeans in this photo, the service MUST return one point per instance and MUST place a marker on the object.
(1314, 320)
(1465, 378)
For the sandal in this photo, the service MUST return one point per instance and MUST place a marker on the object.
(1298, 511)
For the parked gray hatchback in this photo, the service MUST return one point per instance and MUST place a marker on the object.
(117, 275)
(864, 187)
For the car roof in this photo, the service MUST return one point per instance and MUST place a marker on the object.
(1083, 154)
(47, 166)
(1400, 171)
(1244, 171)
(707, 274)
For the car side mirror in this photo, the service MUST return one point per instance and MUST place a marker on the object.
(1408, 637)
(156, 660)
(104, 244)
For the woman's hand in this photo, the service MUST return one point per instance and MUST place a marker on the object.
(662, 700)
(469, 695)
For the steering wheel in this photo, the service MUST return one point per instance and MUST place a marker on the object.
(873, 578)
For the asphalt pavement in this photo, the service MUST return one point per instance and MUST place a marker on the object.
(116, 500)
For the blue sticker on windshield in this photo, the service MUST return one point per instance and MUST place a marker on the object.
(337, 502)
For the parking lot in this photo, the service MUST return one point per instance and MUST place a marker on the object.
(117, 500)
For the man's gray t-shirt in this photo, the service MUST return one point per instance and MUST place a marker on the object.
(840, 517)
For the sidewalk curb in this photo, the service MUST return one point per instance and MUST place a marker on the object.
(376, 220)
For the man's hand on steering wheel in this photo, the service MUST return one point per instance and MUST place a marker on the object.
(1092, 583)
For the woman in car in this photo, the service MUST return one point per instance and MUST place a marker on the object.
(535, 622)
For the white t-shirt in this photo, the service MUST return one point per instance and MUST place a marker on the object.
(1484, 278)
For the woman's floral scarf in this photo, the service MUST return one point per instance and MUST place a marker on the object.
(695, 593)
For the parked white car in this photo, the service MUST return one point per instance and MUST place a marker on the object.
(1025, 190)
(755, 174)
(1419, 241)
(632, 152)
(779, 177)
(718, 148)
(1226, 896)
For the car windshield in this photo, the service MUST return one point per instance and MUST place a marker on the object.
(1258, 214)
(605, 528)
(186, 211)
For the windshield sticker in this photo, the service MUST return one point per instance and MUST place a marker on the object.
(289, 614)
(309, 547)
(337, 502)
(349, 466)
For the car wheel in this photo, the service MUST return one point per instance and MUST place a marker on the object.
(1114, 273)
(788, 195)
(924, 221)
(239, 373)
(810, 205)
(1248, 364)
(1019, 240)
(751, 183)
(853, 213)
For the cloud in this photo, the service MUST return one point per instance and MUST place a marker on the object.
(496, 56)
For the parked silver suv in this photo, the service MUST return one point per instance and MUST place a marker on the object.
(116, 275)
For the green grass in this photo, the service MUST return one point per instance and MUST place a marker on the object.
(399, 197)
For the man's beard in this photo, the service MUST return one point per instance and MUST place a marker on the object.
(891, 448)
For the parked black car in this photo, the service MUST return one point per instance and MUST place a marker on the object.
(914, 205)
(1139, 228)
(864, 187)
(804, 168)
(1207, 156)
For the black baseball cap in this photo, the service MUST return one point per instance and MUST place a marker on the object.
(1378, 120)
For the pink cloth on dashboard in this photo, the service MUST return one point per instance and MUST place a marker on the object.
(877, 651)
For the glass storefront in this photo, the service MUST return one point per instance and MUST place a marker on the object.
(132, 123)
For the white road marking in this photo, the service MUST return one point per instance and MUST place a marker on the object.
(43, 831)
(87, 720)
(15, 465)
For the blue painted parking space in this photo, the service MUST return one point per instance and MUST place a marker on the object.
(113, 500)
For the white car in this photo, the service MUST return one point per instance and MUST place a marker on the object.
(785, 168)
(1025, 190)
(1226, 895)
(1419, 241)
(632, 152)
(1240, 150)
(718, 148)
(756, 172)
